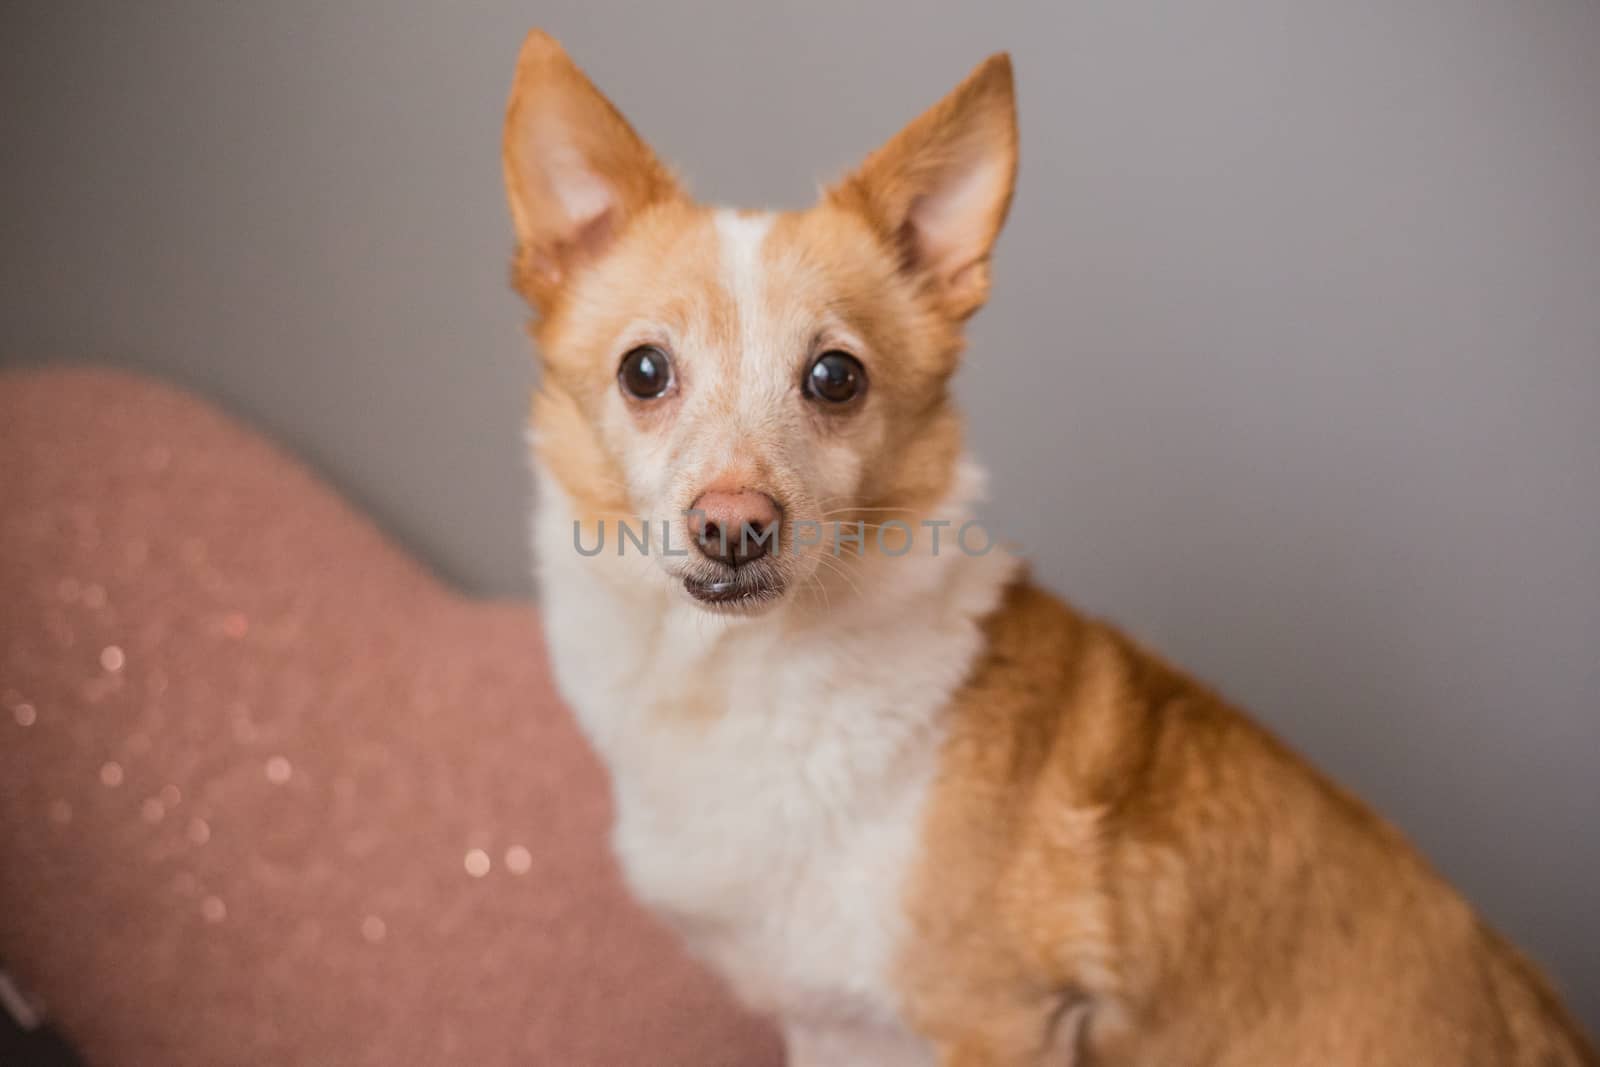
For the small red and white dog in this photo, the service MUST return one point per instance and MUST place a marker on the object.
(906, 803)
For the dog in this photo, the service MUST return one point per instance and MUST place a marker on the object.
(907, 804)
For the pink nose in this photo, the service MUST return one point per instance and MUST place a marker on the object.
(734, 527)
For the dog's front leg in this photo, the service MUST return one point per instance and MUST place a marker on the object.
(1021, 1038)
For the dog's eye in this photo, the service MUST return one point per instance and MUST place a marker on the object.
(835, 378)
(646, 372)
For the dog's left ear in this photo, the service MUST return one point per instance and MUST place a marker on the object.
(939, 190)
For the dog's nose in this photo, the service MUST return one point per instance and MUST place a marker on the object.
(734, 528)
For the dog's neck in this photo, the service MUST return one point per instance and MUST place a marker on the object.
(620, 634)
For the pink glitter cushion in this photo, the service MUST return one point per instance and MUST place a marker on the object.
(270, 795)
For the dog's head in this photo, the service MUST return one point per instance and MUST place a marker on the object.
(750, 379)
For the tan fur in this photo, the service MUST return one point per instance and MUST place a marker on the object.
(1111, 837)
(977, 118)
(829, 258)
(578, 370)
(1118, 868)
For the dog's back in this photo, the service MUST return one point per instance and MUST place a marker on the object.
(1191, 890)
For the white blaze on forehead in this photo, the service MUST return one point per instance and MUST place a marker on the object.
(741, 237)
(772, 333)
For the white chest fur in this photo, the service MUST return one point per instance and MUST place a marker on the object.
(770, 775)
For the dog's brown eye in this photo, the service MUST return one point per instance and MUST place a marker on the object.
(646, 372)
(835, 378)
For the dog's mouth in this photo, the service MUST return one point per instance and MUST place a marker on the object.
(735, 590)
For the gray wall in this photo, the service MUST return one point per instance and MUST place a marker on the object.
(1293, 364)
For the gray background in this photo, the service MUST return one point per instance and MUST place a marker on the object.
(1293, 364)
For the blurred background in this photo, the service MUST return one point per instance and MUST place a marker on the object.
(1292, 366)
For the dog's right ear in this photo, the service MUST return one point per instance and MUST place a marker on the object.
(939, 190)
(575, 171)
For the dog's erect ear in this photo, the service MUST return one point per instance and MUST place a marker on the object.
(939, 190)
(575, 170)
